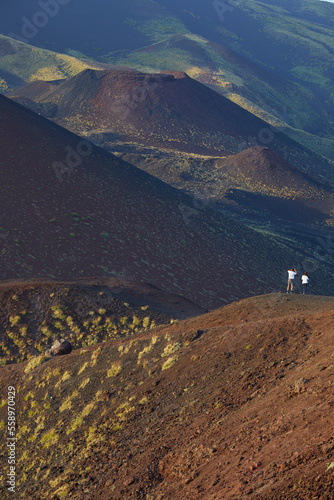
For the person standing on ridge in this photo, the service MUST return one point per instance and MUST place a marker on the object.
(291, 276)
(305, 280)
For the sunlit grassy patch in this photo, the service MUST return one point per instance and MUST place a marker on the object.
(34, 362)
(114, 370)
(49, 438)
(67, 404)
(167, 364)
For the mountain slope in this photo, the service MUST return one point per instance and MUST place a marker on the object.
(294, 39)
(21, 63)
(234, 403)
(33, 314)
(262, 170)
(168, 110)
(269, 96)
(208, 42)
(69, 209)
(256, 178)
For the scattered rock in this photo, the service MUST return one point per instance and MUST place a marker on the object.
(128, 481)
(59, 348)
(299, 387)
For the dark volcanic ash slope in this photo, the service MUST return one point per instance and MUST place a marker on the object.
(69, 209)
(234, 404)
(255, 178)
(168, 110)
(264, 179)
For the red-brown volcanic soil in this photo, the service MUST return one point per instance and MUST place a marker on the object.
(235, 404)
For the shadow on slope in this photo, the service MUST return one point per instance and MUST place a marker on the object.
(69, 209)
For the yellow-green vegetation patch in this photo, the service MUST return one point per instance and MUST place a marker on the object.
(84, 383)
(34, 362)
(98, 395)
(95, 355)
(167, 364)
(67, 404)
(125, 349)
(83, 368)
(117, 427)
(87, 409)
(55, 482)
(62, 491)
(66, 376)
(49, 438)
(27, 396)
(40, 424)
(23, 430)
(3, 403)
(58, 313)
(114, 370)
(32, 63)
(76, 423)
(2, 424)
(14, 320)
(3, 85)
(170, 348)
(91, 435)
(24, 457)
(146, 322)
(147, 348)
(123, 410)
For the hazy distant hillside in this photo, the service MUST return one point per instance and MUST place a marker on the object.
(290, 39)
(106, 25)
(250, 85)
(21, 63)
(273, 98)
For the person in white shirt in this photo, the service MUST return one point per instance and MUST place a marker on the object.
(291, 276)
(305, 280)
